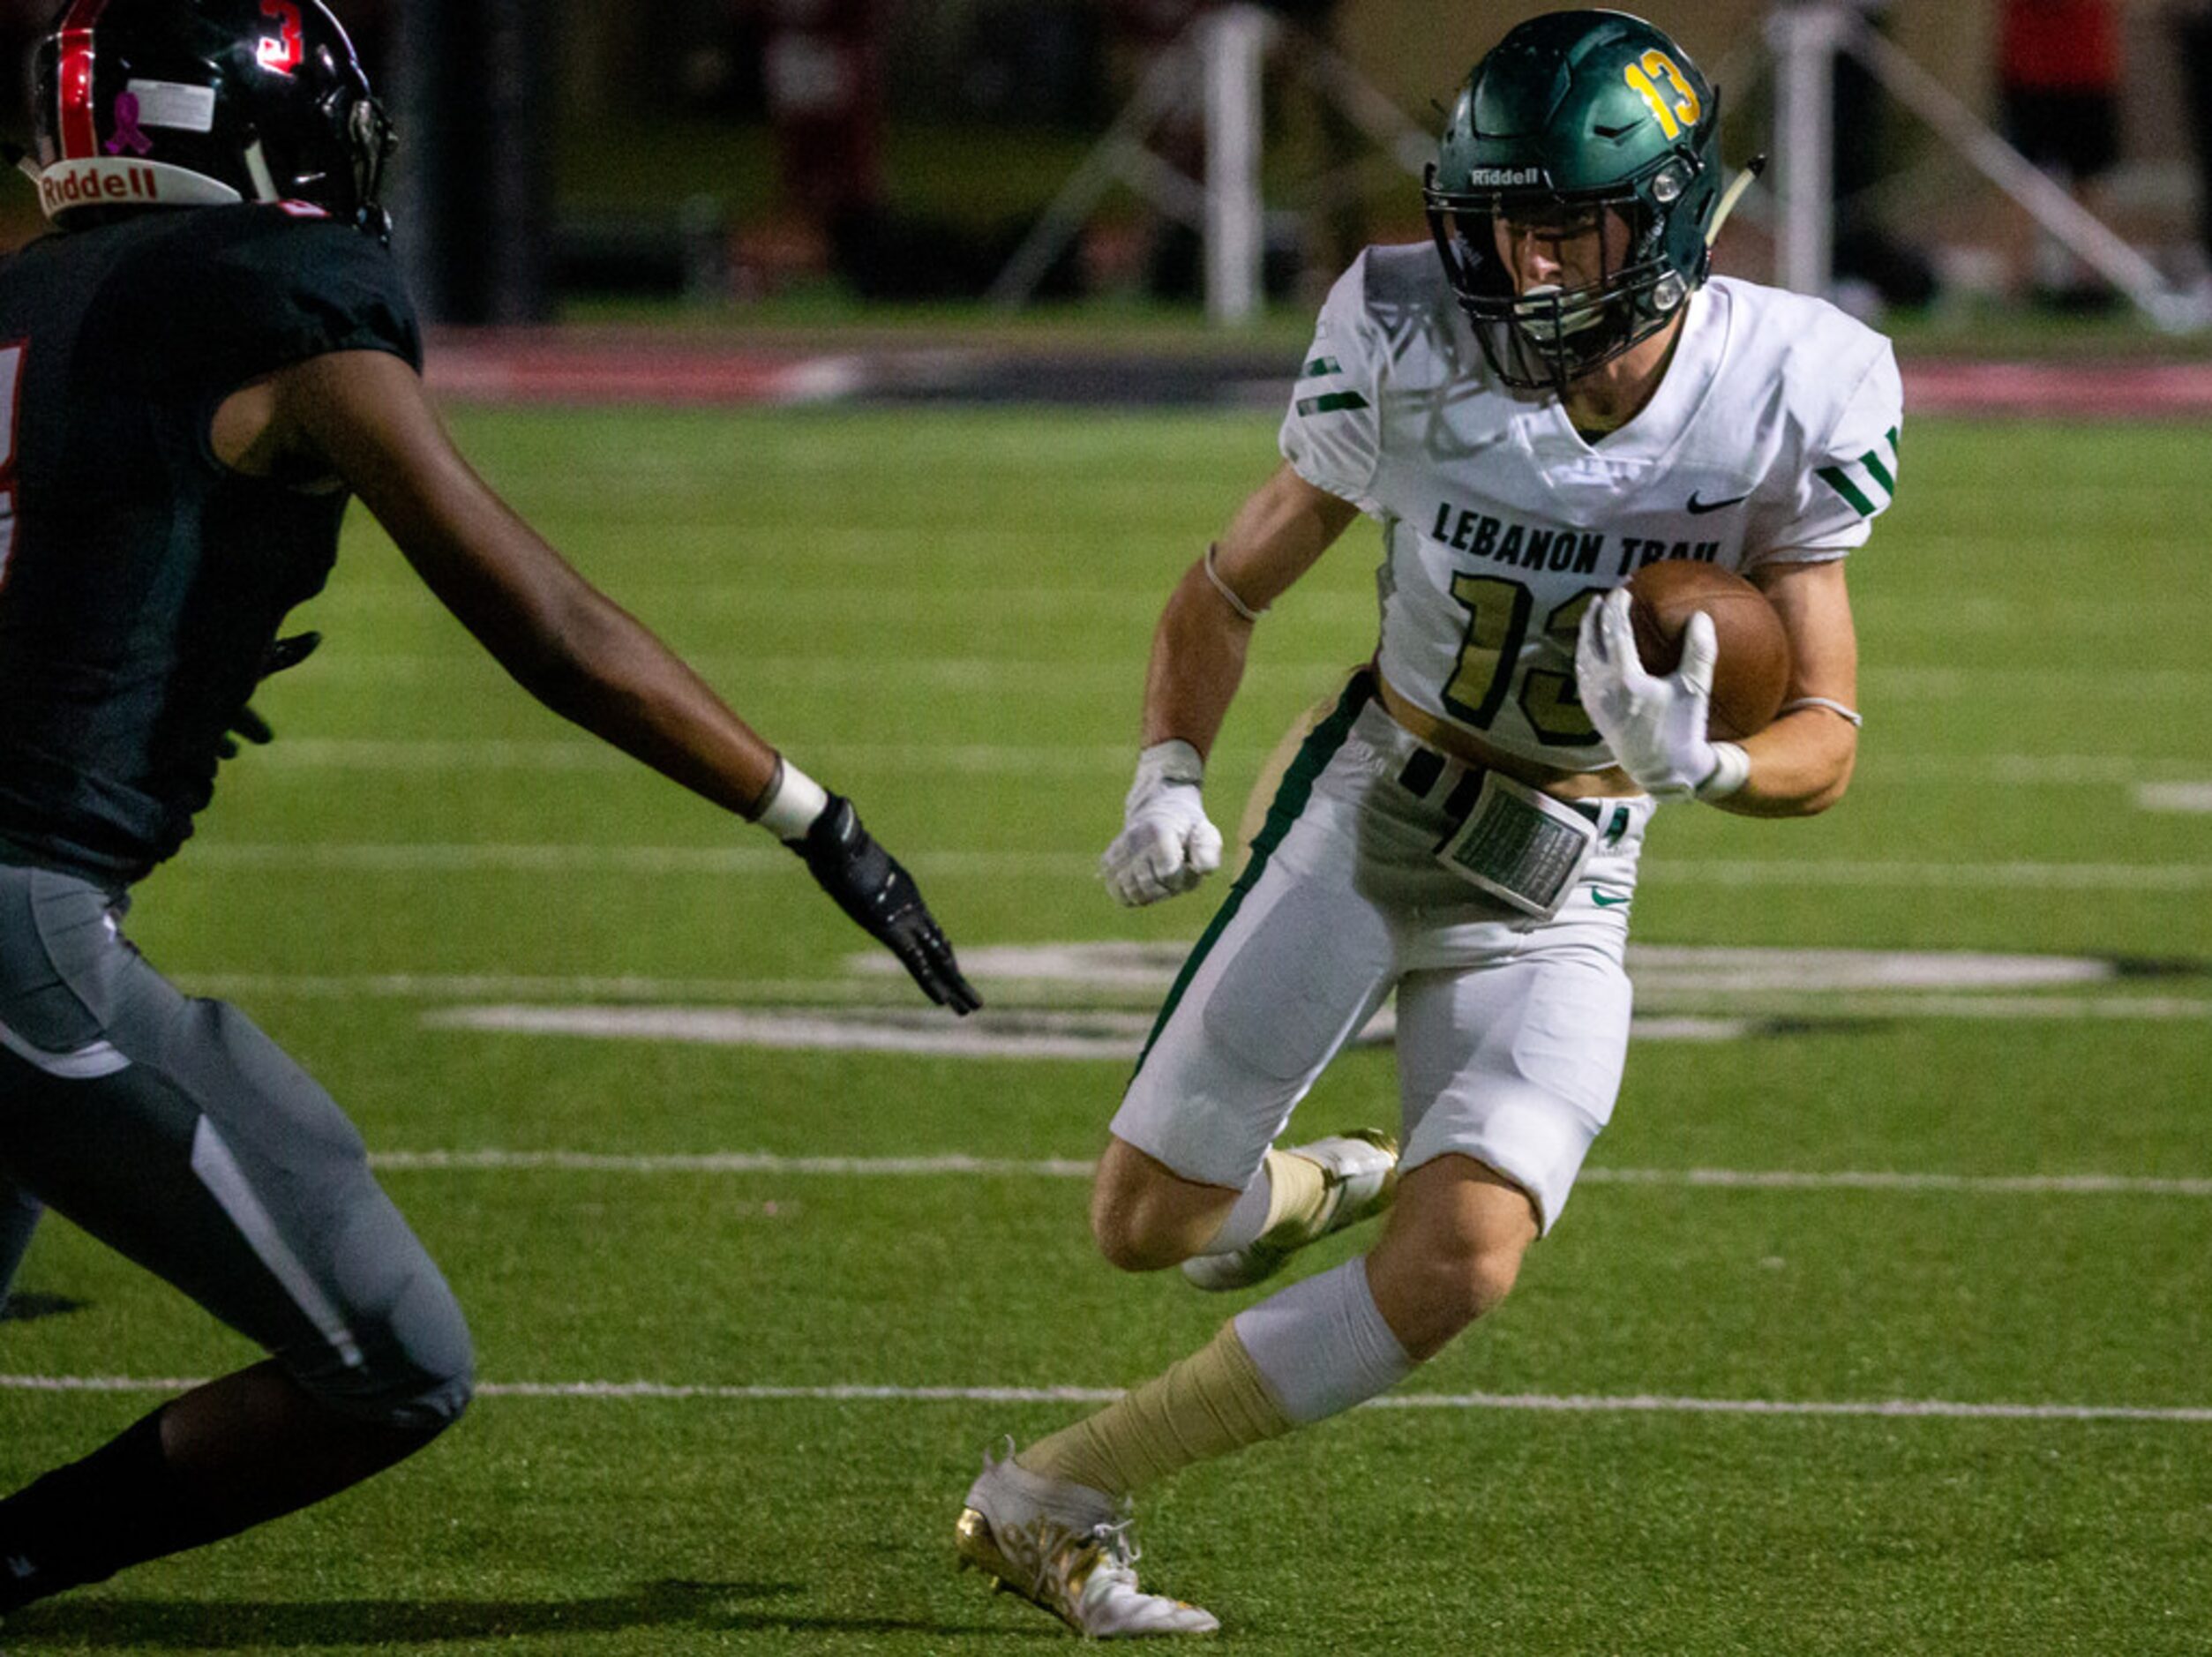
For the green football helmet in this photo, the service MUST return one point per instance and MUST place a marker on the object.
(1571, 114)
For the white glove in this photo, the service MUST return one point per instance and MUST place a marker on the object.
(1166, 846)
(1656, 727)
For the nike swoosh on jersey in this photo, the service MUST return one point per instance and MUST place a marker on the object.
(1698, 507)
(1609, 900)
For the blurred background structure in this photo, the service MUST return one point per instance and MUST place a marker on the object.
(771, 158)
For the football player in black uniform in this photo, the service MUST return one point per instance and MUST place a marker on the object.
(195, 372)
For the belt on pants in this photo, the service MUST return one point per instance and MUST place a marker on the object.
(1425, 769)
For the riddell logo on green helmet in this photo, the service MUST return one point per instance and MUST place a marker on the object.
(1505, 177)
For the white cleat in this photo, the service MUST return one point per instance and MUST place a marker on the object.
(1066, 1549)
(1360, 1170)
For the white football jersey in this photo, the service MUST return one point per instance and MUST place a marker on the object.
(1772, 436)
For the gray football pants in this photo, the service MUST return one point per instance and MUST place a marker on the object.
(175, 1132)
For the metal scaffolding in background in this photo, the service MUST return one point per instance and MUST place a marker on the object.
(1806, 37)
(1211, 74)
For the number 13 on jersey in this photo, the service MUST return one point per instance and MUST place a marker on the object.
(1498, 625)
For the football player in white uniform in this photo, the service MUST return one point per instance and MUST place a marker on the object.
(1550, 396)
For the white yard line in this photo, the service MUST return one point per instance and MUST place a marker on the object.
(2177, 796)
(1117, 1035)
(475, 754)
(478, 985)
(2028, 685)
(1656, 998)
(1935, 877)
(2075, 1008)
(569, 754)
(1580, 1404)
(405, 857)
(1850, 1180)
(725, 1162)
(495, 1160)
(1067, 973)
(827, 668)
(691, 600)
(2033, 770)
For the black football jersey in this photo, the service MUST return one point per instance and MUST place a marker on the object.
(141, 580)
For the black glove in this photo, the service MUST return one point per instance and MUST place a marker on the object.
(871, 886)
(281, 654)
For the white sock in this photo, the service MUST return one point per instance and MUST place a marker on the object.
(1322, 1345)
(1247, 1220)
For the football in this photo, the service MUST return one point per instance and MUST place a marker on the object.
(1752, 672)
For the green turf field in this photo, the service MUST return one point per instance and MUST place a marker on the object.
(945, 614)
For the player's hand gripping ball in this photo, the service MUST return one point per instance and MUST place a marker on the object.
(1660, 706)
(1751, 672)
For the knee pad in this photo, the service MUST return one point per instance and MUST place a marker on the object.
(412, 1365)
(437, 1377)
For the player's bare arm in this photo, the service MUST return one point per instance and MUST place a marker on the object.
(1199, 650)
(1167, 844)
(1802, 763)
(362, 418)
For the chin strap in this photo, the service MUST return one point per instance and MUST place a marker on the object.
(256, 161)
(1733, 195)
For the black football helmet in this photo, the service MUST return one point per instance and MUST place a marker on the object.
(201, 103)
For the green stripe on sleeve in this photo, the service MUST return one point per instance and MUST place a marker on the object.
(1836, 478)
(1319, 366)
(1892, 435)
(1879, 473)
(1329, 402)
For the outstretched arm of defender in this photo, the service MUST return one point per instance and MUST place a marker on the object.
(363, 415)
(1166, 845)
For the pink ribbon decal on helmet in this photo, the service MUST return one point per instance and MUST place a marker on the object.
(127, 134)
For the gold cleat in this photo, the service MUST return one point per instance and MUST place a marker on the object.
(1358, 1170)
(1066, 1549)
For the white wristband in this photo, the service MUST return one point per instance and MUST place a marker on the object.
(1731, 769)
(793, 800)
(1173, 761)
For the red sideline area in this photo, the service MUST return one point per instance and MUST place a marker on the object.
(2077, 390)
(553, 366)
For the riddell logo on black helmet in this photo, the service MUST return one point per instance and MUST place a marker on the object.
(113, 182)
(83, 187)
(1505, 177)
